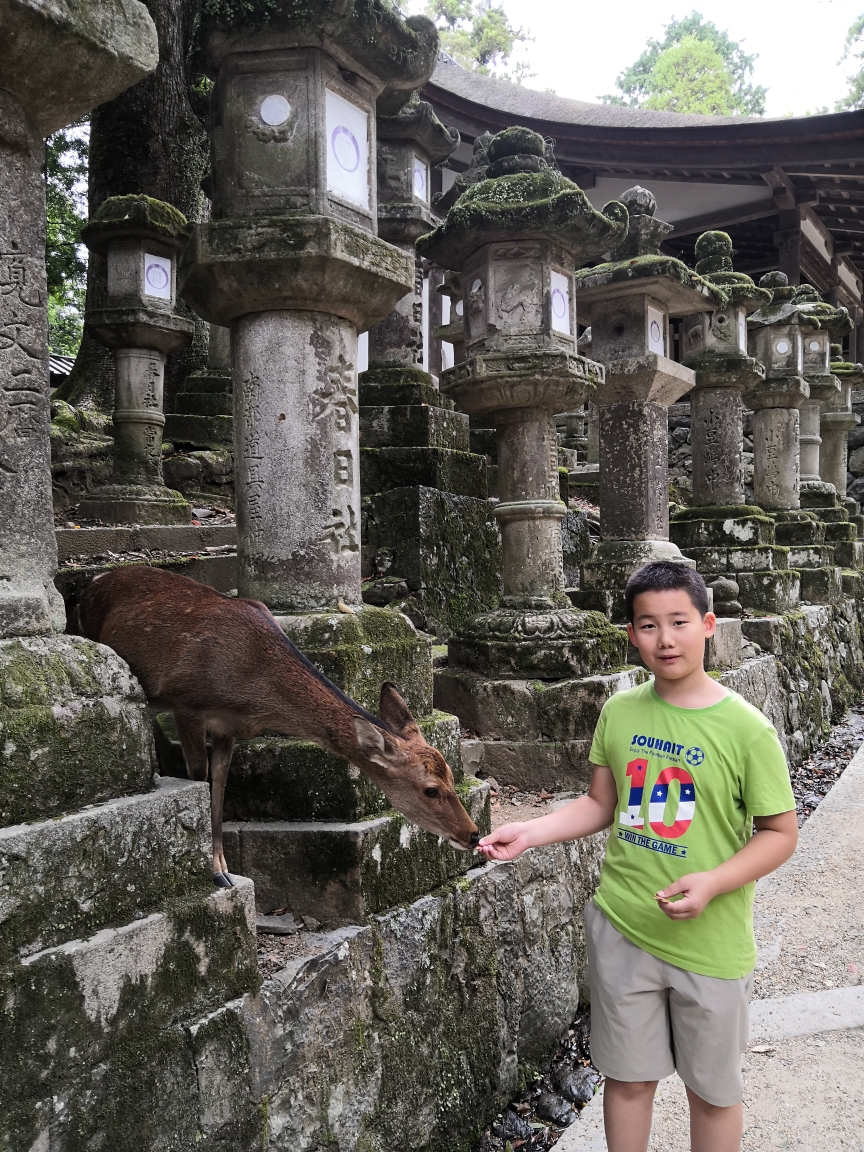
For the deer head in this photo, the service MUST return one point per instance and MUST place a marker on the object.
(413, 775)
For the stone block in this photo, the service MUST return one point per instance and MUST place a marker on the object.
(776, 591)
(732, 526)
(413, 1031)
(167, 537)
(273, 778)
(560, 766)
(74, 728)
(585, 483)
(446, 548)
(204, 404)
(818, 496)
(832, 515)
(709, 559)
(359, 650)
(340, 873)
(105, 1039)
(484, 441)
(560, 711)
(198, 431)
(821, 585)
(849, 554)
(801, 529)
(840, 532)
(723, 649)
(853, 584)
(811, 556)
(210, 380)
(413, 425)
(101, 866)
(758, 558)
(462, 473)
(374, 393)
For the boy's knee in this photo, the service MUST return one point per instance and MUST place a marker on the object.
(631, 1089)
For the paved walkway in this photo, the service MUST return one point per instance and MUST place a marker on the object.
(804, 1069)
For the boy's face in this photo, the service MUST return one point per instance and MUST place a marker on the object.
(670, 633)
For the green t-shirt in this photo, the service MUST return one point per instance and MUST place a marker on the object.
(689, 782)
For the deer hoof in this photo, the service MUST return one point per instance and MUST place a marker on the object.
(222, 880)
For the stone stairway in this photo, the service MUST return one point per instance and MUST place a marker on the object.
(115, 952)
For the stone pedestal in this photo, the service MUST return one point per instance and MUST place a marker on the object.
(141, 238)
(629, 303)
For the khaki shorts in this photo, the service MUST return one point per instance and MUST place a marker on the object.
(650, 1019)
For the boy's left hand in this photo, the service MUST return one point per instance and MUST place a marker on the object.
(698, 889)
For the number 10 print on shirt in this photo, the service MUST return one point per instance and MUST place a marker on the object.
(631, 817)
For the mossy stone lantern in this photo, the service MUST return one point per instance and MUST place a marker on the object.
(837, 420)
(410, 144)
(292, 263)
(514, 238)
(141, 239)
(824, 322)
(724, 536)
(628, 303)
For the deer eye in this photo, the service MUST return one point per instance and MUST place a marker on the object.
(431, 792)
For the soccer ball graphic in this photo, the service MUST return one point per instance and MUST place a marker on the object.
(694, 756)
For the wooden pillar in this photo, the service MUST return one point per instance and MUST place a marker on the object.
(788, 241)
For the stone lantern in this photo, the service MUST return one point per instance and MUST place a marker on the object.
(725, 537)
(514, 238)
(825, 390)
(837, 420)
(628, 304)
(409, 145)
(292, 263)
(141, 239)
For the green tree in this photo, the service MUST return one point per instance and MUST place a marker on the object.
(854, 48)
(66, 210)
(691, 77)
(479, 35)
(638, 84)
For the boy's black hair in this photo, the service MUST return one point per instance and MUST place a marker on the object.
(665, 576)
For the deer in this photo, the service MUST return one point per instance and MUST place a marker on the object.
(225, 669)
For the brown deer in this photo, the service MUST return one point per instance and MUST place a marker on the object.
(226, 669)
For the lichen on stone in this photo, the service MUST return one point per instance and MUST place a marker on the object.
(714, 264)
(134, 216)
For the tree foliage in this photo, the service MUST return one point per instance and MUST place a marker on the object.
(479, 35)
(662, 71)
(66, 210)
(854, 48)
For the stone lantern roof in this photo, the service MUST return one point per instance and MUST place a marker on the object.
(141, 217)
(523, 198)
(417, 121)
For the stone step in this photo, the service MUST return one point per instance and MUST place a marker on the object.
(799, 528)
(821, 585)
(74, 728)
(832, 515)
(484, 442)
(410, 392)
(772, 591)
(204, 404)
(557, 766)
(273, 778)
(413, 425)
(447, 548)
(744, 558)
(340, 873)
(721, 527)
(559, 710)
(811, 556)
(849, 554)
(462, 473)
(102, 866)
(219, 572)
(145, 537)
(840, 532)
(198, 431)
(124, 1034)
(208, 381)
(584, 483)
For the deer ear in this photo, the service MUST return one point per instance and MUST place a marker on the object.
(395, 713)
(371, 741)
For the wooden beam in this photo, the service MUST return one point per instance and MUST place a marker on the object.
(726, 217)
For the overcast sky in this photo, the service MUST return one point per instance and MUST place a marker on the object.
(579, 48)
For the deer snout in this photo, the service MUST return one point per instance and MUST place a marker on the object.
(474, 839)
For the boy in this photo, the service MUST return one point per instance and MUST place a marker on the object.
(682, 765)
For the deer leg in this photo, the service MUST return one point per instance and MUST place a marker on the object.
(220, 762)
(193, 740)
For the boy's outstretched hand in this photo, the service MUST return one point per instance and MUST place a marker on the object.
(505, 843)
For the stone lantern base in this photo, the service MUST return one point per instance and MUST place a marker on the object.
(135, 504)
(738, 541)
(612, 563)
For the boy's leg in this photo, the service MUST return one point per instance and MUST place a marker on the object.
(714, 1129)
(627, 1109)
(630, 1038)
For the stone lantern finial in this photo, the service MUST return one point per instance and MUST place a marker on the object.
(645, 233)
